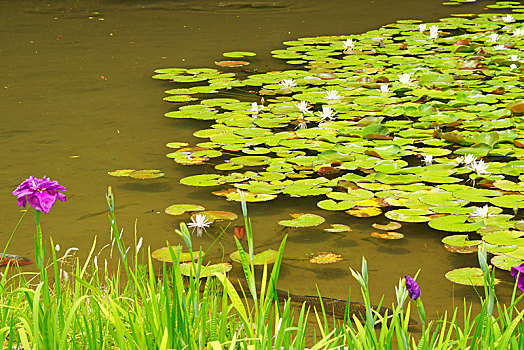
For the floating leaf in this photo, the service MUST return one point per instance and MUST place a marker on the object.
(122, 172)
(364, 212)
(250, 197)
(303, 220)
(203, 180)
(388, 235)
(213, 215)
(231, 64)
(205, 271)
(330, 204)
(468, 276)
(179, 209)
(391, 226)
(163, 254)
(455, 223)
(325, 258)
(460, 244)
(266, 257)
(238, 54)
(409, 215)
(338, 228)
(505, 262)
(146, 174)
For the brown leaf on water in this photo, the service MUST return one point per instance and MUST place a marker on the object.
(325, 258)
(231, 64)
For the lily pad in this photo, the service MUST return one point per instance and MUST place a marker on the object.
(203, 180)
(325, 258)
(460, 244)
(505, 262)
(391, 226)
(409, 215)
(364, 212)
(163, 254)
(205, 271)
(455, 223)
(468, 276)
(179, 209)
(387, 235)
(146, 174)
(266, 257)
(303, 220)
(121, 172)
(338, 228)
(213, 215)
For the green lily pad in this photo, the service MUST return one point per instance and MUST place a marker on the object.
(251, 197)
(146, 174)
(409, 215)
(238, 54)
(163, 254)
(330, 204)
(205, 271)
(468, 276)
(121, 172)
(460, 244)
(505, 262)
(454, 223)
(266, 257)
(509, 201)
(179, 209)
(303, 220)
(213, 215)
(203, 180)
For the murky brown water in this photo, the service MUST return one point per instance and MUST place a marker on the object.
(75, 80)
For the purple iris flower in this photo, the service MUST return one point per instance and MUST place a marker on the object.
(40, 193)
(412, 287)
(518, 273)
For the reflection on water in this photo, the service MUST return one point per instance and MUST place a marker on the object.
(77, 100)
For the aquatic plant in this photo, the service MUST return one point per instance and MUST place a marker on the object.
(448, 92)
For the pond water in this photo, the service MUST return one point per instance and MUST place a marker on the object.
(77, 100)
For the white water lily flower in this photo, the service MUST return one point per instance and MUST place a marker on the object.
(422, 27)
(518, 31)
(481, 212)
(200, 222)
(384, 88)
(479, 167)
(349, 44)
(255, 108)
(428, 159)
(513, 66)
(493, 38)
(467, 159)
(288, 83)
(326, 114)
(57, 248)
(303, 107)
(513, 58)
(332, 95)
(405, 79)
(433, 31)
(508, 19)
(500, 47)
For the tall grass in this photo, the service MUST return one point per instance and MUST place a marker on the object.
(136, 307)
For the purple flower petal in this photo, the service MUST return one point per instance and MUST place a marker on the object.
(518, 274)
(40, 193)
(412, 287)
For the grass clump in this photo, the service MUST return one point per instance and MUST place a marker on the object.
(135, 307)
